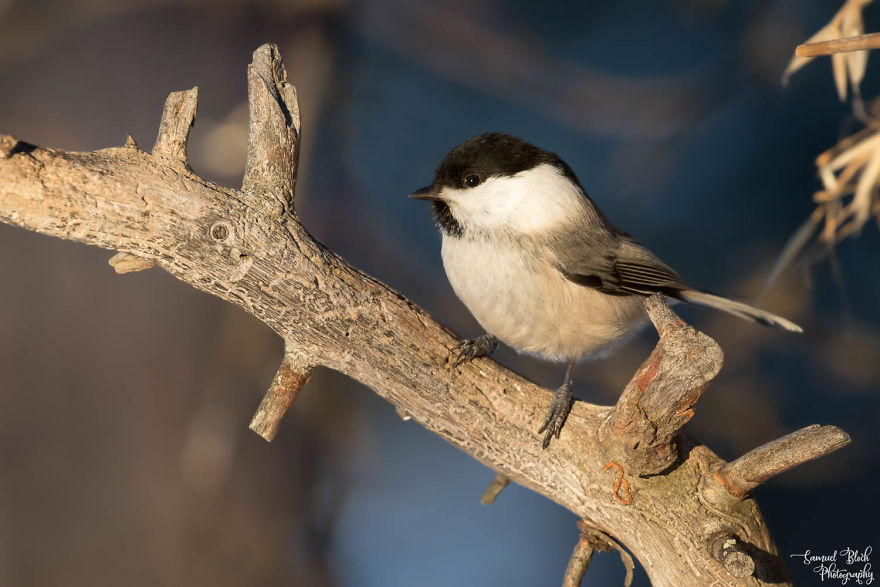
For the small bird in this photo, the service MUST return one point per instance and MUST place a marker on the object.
(538, 264)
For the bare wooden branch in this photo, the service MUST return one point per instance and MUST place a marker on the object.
(247, 247)
(494, 490)
(844, 45)
(594, 539)
(768, 460)
(578, 563)
(177, 119)
(292, 375)
(659, 399)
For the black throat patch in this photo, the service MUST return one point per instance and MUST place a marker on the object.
(445, 220)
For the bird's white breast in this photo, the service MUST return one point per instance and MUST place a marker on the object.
(517, 294)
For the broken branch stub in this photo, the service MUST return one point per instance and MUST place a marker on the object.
(178, 117)
(768, 460)
(273, 134)
(290, 378)
(658, 401)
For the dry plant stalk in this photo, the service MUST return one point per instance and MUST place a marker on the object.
(845, 66)
(849, 199)
(844, 45)
(850, 171)
(850, 168)
(249, 248)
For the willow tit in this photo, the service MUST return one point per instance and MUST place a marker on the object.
(539, 266)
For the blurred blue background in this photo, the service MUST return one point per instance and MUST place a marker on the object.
(124, 401)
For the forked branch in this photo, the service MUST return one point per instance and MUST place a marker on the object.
(665, 497)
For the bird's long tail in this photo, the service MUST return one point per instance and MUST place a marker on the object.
(737, 309)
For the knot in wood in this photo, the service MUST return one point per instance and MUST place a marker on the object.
(728, 550)
(220, 231)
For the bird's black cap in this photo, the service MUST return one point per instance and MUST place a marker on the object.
(493, 154)
(488, 155)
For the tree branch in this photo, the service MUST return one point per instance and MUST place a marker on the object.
(773, 458)
(578, 563)
(177, 119)
(247, 247)
(292, 375)
(494, 489)
(659, 399)
(844, 45)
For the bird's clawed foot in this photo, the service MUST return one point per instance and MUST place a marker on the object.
(560, 406)
(474, 348)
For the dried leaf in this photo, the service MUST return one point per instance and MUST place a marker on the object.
(829, 180)
(856, 156)
(856, 63)
(830, 229)
(826, 33)
(848, 22)
(861, 149)
(861, 202)
(852, 25)
(838, 68)
(849, 172)
(844, 145)
(842, 181)
(859, 207)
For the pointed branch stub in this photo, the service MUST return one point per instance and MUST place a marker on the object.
(768, 460)
(177, 120)
(273, 134)
(291, 376)
(494, 489)
(659, 399)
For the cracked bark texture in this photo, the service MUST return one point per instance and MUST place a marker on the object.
(248, 247)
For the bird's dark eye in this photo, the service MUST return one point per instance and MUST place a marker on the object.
(472, 180)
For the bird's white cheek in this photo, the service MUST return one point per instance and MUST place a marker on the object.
(530, 202)
(484, 207)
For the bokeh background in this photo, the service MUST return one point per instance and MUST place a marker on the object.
(125, 457)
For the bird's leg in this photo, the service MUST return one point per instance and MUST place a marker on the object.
(560, 406)
(473, 348)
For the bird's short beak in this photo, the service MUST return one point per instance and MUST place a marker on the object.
(426, 193)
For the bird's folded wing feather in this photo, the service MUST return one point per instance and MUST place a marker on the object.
(628, 268)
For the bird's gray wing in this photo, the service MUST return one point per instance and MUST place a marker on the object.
(616, 266)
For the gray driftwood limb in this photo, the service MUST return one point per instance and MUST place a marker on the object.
(626, 470)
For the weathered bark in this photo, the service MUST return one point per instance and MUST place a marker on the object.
(626, 470)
